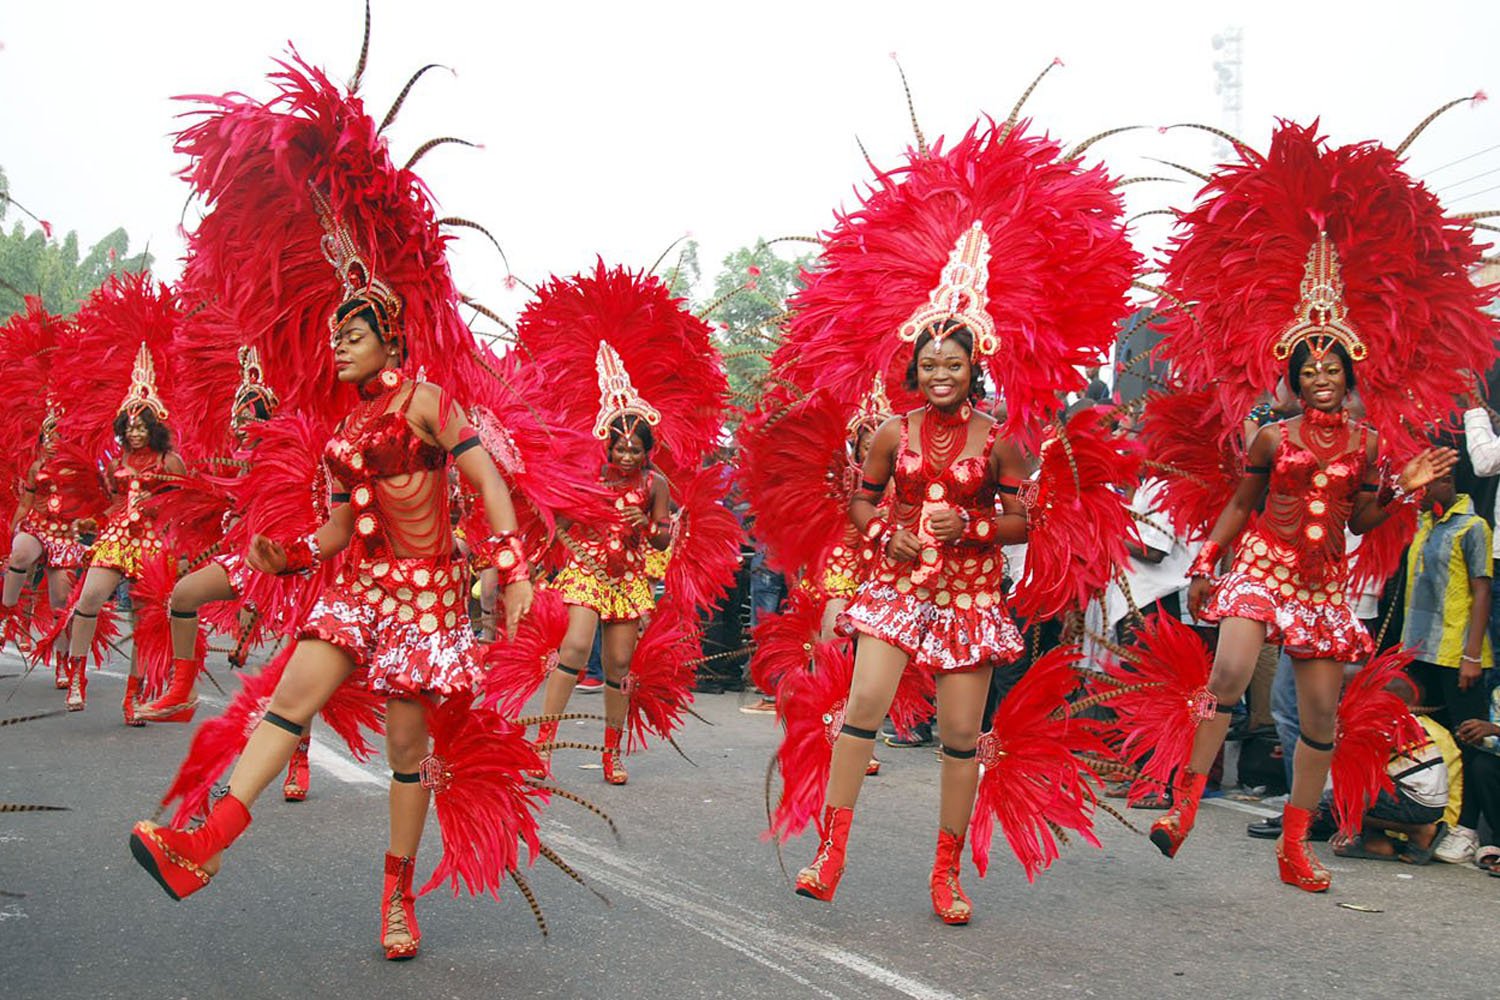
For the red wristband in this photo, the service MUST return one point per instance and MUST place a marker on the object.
(1207, 563)
(301, 554)
(505, 552)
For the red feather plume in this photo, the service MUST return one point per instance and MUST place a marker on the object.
(1163, 694)
(797, 478)
(27, 345)
(217, 742)
(784, 640)
(516, 666)
(1030, 781)
(1081, 520)
(667, 351)
(485, 805)
(352, 711)
(1371, 722)
(810, 704)
(662, 672)
(1239, 256)
(1060, 269)
(1198, 462)
(149, 594)
(706, 549)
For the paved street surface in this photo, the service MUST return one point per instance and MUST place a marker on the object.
(699, 908)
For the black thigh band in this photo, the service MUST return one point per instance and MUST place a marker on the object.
(1315, 744)
(282, 722)
(1223, 708)
(960, 754)
(183, 614)
(16, 569)
(611, 684)
(83, 614)
(464, 445)
(406, 777)
(570, 671)
(857, 733)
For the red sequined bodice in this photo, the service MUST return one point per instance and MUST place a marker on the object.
(1311, 495)
(53, 497)
(397, 483)
(965, 483)
(618, 547)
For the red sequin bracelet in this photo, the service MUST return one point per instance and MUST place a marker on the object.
(505, 552)
(301, 555)
(1207, 563)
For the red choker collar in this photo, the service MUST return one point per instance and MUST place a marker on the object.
(949, 418)
(1325, 418)
(381, 384)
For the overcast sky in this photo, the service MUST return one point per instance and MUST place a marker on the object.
(614, 128)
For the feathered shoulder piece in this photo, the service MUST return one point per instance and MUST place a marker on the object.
(658, 345)
(1327, 244)
(115, 354)
(27, 343)
(1006, 233)
(304, 203)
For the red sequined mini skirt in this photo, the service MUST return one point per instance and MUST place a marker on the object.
(404, 619)
(940, 631)
(1311, 622)
(60, 546)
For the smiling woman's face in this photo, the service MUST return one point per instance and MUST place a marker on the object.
(944, 373)
(1323, 382)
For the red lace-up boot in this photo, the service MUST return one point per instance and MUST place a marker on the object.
(128, 706)
(546, 734)
(949, 901)
(179, 701)
(1299, 866)
(298, 776)
(398, 896)
(1169, 832)
(614, 770)
(179, 860)
(820, 879)
(78, 683)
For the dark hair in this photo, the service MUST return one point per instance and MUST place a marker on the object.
(950, 328)
(360, 309)
(158, 439)
(630, 425)
(1299, 357)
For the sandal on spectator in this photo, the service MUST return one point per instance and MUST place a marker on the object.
(1488, 860)
(1415, 855)
(1355, 848)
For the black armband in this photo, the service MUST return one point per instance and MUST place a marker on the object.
(1257, 470)
(340, 497)
(868, 487)
(471, 441)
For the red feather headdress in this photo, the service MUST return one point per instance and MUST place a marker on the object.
(27, 343)
(1239, 263)
(1059, 266)
(664, 349)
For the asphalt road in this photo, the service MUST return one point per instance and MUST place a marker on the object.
(699, 906)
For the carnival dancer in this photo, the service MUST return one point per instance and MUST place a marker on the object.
(914, 283)
(625, 361)
(1331, 267)
(120, 341)
(604, 583)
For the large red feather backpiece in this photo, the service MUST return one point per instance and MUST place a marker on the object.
(27, 343)
(1237, 262)
(1198, 463)
(1060, 267)
(662, 671)
(91, 368)
(706, 547)
(666, 351)
(1031, 781)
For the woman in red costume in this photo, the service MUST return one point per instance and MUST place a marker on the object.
(396, 606)
(1330, 267)
(908, 284)
(129, 536)
(604, 583)
(45, 530)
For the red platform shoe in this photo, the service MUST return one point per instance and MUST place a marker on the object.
(546, 734)
(78, 683)
(398, 899)
(949, 901)
(298, 778)
(179, 702)
(614, 770)
(60, 673)
(820, 879)
(1299, 866)
(1169, 832)
(128, 706)
(179, 861)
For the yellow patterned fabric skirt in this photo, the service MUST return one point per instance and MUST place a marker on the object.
(124, 545)
(656, 563)
(623, 600)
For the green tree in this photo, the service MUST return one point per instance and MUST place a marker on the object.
(33, 263)
(749, 299)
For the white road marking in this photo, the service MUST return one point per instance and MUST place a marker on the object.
(751, 934)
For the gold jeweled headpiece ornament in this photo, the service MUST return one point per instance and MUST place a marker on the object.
(960, 295)
(52, 419)
(1320, 313)
(359, 282)
(617, 397)
(142, 394)
(252, 383)
(873, 410)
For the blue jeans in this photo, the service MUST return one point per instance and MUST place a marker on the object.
(1284, 711)
(767, 590)
(1493, 676)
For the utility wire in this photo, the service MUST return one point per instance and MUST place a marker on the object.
(1473, 177)
(1461, 159)
(1475, 194)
